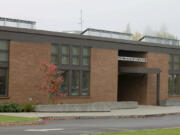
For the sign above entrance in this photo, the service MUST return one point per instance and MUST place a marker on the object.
(134, 59)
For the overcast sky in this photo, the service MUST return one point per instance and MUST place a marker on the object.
(60, 15)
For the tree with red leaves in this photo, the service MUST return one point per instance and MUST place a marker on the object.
(51, 81)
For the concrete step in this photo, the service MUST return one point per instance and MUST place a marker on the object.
(170, 102)
(90, 107)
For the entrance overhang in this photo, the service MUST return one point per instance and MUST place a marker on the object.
(140, 70)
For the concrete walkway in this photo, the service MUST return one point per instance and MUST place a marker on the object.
(141, 111)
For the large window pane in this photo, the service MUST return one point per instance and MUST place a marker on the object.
(86, 56)
(170, 66)
(75, 60)
(85, 84)
(176, 84)
(65, 85)
(3, 81)
(75, 83)
(176, 59)
(176, 66)
(65, 50)
(54, 49)
(86, 52)
(65, 59)
(170, 84)
(75, 51)
(170, 62)
(54, 59)
(4, 45)
(75, 55)
(86, 61)
(4, 56)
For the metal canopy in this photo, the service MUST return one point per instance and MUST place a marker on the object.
(139, 70)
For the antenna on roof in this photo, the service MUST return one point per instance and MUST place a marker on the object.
(81, 20)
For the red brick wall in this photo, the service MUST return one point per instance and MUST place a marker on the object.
(23, 66)
(25, 61)
(157, 61)
(104, 74)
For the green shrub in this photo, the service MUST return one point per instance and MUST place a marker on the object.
(28, 107)
(10, 107)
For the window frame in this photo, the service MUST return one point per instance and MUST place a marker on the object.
(174, 72)
(53, 54)
(6, 82)
(5, 65)
(66, 55)
(75, 55)
(71, 67)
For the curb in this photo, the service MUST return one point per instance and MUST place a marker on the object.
(105, 117)
(12, 124)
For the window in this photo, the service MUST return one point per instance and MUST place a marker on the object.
(75, 81)
(174, 75)
(3, 82)
(75, 62)
(65, 55)
(176, 62)
(54, 54)
(65, 86)
(4, 62)
(75, 55)
(170, 84)
(86, 56)
(85, 83)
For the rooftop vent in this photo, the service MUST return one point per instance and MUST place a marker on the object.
(159, 40)
(17, 23)
(107, 34)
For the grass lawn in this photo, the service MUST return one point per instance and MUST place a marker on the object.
(173, 131)
(6, 119)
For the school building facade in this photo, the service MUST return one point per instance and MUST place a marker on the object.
(96, 69)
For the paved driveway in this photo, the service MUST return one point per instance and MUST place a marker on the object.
(81, 127)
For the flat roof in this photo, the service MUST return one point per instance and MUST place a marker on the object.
(49, 37)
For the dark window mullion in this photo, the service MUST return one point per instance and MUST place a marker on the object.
(173, 75)
(172, 84)
(80, 82)
(172, 63)
(70, 83)
(60, 55)
(81, 56)
(70, 55)
(179, 79)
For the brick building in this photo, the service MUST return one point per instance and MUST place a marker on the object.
(97, 69)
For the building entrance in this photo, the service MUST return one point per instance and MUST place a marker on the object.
(132, 84)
